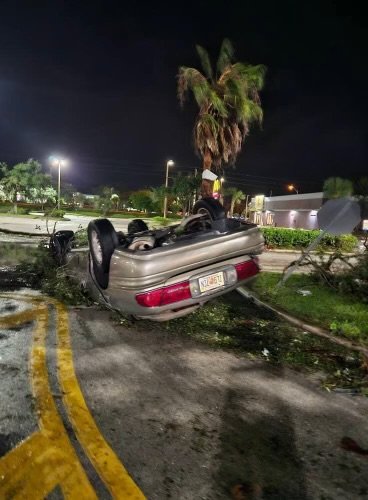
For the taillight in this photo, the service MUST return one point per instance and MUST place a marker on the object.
(163, 296)
(246, 269)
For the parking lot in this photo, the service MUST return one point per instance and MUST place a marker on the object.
(97, 409)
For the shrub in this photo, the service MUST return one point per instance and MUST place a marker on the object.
(22, 211)
(347, 243)
(161, 221)
(81, 238)
(355, 280)
(280, 237)
(55, 213)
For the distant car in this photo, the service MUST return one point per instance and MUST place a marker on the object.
(167, 273)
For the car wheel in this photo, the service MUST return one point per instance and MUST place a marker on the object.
(103, 240)
(137, 226)
(210, 207)
(60, 245)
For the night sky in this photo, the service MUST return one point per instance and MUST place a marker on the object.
(96, 82)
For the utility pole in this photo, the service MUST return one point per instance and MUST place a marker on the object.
(170, 163)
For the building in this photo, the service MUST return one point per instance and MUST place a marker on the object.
(294, 210)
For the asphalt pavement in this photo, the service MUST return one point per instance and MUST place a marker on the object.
(94, 409)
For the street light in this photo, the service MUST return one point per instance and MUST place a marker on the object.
(58, 162)
(291, 187)
(170, 163)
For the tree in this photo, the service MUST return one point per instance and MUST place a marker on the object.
(105, 201)
(157, 195)
(67, 192)
(20, 180)
(336, 187)
(141, 200)
(237, 196)
(42, 190)
(361, 187)
(79, 199)
(183, 190)
(228, 102)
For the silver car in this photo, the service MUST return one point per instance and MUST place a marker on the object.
(167, 273)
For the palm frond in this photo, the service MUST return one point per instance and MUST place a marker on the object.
(206, 134)
(202, 94)
(217, 103)
(226, 55)
(205, 61)
(187, 79)
(254, 76)
(250, 112)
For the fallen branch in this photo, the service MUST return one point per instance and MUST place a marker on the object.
(316, 330)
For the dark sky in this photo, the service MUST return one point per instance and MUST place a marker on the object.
(96, 82)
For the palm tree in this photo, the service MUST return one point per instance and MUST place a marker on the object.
(228, 102)
(336, 187)
(237, 197)
(183, 190)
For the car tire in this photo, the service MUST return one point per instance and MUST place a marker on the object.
(210, 207)
(60, 245)
(137, 226)
(103, 240)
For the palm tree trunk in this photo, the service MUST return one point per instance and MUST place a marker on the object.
(232, 207)
(207, 186)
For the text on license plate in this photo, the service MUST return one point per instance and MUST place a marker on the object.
(211, 281)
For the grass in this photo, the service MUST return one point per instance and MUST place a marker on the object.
(232, 322)
(340, 313)
(26, 216)
(97, 213)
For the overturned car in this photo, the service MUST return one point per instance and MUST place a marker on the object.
(166, 273)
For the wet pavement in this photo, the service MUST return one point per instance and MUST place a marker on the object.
(93, 409)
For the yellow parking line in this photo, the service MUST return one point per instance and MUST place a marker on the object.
(32, 469)
(45, 459)
(77, 484)
(17, 319)
(103, 458)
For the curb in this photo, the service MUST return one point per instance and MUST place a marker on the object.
(316, 330)
(23, 233)
(299, 252)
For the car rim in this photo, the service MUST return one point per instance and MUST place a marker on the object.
(96, 247)
(204, 211)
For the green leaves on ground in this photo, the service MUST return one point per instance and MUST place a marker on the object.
(236, 323)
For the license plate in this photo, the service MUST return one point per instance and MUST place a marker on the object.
(211, 282)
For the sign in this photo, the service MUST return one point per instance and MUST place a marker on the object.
(365, 225)
(339, 216)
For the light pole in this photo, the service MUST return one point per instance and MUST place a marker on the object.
(222, 180)
(58, 162)
(291, 187)
(170, 163)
